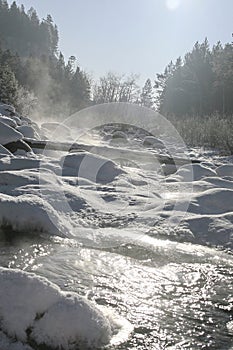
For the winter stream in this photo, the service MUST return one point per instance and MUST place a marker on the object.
(148, 243)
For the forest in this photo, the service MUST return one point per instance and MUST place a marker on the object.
(194, 92)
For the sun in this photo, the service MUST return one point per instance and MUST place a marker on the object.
(173, 4)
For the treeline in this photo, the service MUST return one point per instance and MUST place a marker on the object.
(200, 84)
(32, 71)
(24, 33)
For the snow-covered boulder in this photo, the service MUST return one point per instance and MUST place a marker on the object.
(8, 134)
(30, 213)
(8, 121)
(151, 141)
(32, 309)
(119, 135)
(25, 120)
(118, 138)
(18, 163)
(225, 170)
(17, 119)
(90, 166)
(219, 182)
(215, 230)
(195, 172)
(168, 169)
(212, 201)
(6, 110)
(28, 132)
(4, 152)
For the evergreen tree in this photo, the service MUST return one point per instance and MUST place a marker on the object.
(146, 97)
(8, 85)
(201, 84)
(29, 62)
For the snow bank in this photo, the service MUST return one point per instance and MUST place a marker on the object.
(34, 309)
(8, 134)
(90, 166)
(30, 213)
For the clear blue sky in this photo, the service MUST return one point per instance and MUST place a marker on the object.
(134, 36)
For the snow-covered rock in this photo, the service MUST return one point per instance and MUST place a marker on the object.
(8, 121)
(8, 134)
(151, 141)
(168, 169)
(26, 120)
(219, 182)
(90, 166)
(30, 213)
(18, 163)
(4, 152)
(216, 230)
(195, 172)
(6, 110)
(119, 135)
(28, 131)
(118, 138)
(17, 120)
(213, 201)
(32, 308)
(19, 177)
(225, 170)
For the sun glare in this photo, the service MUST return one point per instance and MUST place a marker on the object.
(173, 4)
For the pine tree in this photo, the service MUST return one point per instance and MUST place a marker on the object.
(8, 85)
(146, 97)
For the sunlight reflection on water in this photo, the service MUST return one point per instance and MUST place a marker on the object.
(172, 303)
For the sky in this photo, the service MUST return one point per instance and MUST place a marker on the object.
(134, 36)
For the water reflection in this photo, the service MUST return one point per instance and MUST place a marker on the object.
(176, 296)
